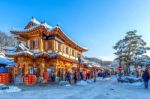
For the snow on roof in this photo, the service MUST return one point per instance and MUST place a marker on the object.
(24, 30)
(32, 53)
(85, 48)
(22, 46)
(17, 53)
(46, 25)
(53, 54)
(36, 24)
(24, 50)
(35, 21)
(4, 60)
(13, 49)
(2, 54)
(9, 48)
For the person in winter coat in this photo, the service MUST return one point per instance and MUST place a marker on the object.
(94, 75)
(88, 75)
(75, 77)
(81, 75)
(84, 75)
(146, 78)
(53, 77)
(68, 77)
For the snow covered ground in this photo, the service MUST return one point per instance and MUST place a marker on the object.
(103, 89)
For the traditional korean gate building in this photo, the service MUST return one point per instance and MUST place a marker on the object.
(42, 47)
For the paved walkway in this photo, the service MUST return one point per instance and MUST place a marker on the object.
(102, 89)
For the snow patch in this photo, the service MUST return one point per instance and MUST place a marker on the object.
(12, 89)
(106, 78)
(47, 26)
(64, 83)
(99, 78)
(130, 79)
(4, 60)
(90, 81)
(8, 89)
(82, 83)
(136, 84)
(35, 21)
(67, 85)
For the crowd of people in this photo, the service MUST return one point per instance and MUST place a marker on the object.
(74, 76)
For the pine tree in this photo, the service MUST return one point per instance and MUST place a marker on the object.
(131, 46)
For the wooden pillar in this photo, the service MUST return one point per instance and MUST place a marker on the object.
(17, 67)
(64, 75)
(53, 45)
(42, 67)
(41, 44)
(26, 69)
(15, 70)
(56, 67)
(62, 48)
(34, 65)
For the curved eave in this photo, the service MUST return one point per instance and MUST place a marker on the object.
(42, 55)
(26, 31)
(18, 54)
(67, 59)
(72, 42)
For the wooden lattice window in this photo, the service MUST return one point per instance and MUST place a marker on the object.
(67, 50)
(34, 44)
(59, 47)
(73, 53)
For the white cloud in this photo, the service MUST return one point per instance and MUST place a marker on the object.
(107, 58)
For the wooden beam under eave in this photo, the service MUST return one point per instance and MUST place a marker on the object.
(21, 39)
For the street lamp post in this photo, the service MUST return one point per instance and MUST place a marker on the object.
(79, 63)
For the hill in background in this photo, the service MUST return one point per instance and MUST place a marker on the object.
(98, 61)
(6, 40)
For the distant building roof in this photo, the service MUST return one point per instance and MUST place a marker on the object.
(5, 61)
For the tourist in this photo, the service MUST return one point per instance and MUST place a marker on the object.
(146, 78)
(84, 75)
(88, 75)
(53, 77)
(68, 77)
(81, 75)
(75, 77)
(94, 76)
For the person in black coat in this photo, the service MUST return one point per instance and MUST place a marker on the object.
(68, 77)
(81, 75)
(75, 77)
(146, 78)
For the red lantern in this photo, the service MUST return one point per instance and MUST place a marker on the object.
(120, 68)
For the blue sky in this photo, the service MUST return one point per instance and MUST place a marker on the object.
(95, 24)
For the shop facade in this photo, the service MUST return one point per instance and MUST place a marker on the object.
(42, 48)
